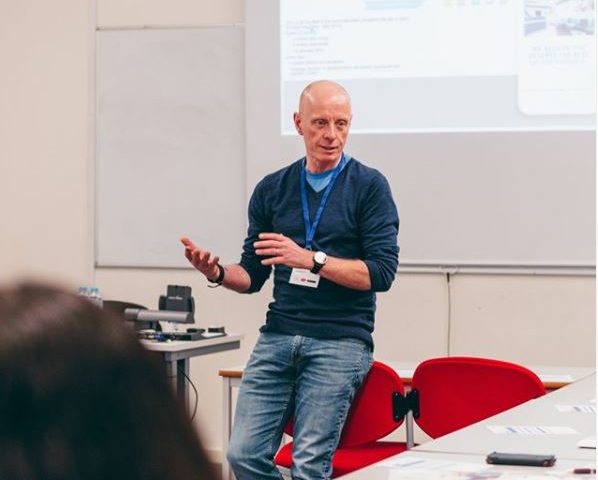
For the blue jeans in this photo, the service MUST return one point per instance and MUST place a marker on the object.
(313, 380)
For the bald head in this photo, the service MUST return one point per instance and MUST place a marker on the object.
(323, 119)
(323, 90)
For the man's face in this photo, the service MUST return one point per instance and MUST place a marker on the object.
(323, 120)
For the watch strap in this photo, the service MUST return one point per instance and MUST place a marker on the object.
(218, 280)
(317, 266)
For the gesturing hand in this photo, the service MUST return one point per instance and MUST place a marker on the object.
(282, 250)
(201, 259)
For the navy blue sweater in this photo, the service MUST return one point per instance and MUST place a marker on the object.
(360, 221)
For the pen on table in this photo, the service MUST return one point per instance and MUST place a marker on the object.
(584, 470)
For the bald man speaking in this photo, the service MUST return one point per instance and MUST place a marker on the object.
(327, 225)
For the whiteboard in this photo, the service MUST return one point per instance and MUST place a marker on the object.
(170, 145)
(500, 198)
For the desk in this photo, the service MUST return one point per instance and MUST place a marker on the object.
(176, 356)
(384, 470)
(552, 377)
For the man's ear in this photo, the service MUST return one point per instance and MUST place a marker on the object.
(297, 122)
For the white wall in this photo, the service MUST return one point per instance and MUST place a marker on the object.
(46, 213)
(44, 139)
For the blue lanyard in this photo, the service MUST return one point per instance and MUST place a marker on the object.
(310, 228)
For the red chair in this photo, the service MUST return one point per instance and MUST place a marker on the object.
(446, 394)
(375, 412)
(453, 392)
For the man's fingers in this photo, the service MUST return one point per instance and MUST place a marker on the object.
(188, 243)
(273, 252)
(203, 258)
(200, 259)
(267, 244)
(191, 250)
(197, 257)
(271, 236)
(267, 236)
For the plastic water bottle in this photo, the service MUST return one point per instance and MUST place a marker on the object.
(95, 297)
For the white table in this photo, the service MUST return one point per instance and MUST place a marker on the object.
(177, 354)
(552, 376)
(440, 464)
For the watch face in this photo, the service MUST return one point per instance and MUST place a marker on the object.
(320, 257)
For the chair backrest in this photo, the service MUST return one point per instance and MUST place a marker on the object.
(371, 415)
(455, 392)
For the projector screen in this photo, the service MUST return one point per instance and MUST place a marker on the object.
(491, 158)
(444, 65)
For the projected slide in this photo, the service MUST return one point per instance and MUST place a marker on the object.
(445, 65)
(557, 57)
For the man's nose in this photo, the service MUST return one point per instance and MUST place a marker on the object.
(330, 132)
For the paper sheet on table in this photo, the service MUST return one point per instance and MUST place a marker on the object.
(411, 468)
(436, 475)
(531, 430)
(416, 468)
(406, 463)
(576, 408)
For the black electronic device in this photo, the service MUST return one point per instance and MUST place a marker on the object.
(500, 458)
(177, 306)
(214, 331)
(178, 298)
(166, 336)
(189, 336)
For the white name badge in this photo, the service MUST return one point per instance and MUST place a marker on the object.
(304, 278)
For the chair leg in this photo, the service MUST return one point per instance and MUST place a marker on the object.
(409, 429)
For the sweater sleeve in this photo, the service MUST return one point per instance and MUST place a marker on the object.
(379, 226)
(259, 221)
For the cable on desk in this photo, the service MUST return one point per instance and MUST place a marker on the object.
(182, 370)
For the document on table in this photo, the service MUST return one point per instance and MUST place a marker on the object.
(405, 463)
(488, 475)
(576, 408)
(415, 468)
(531, 430)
